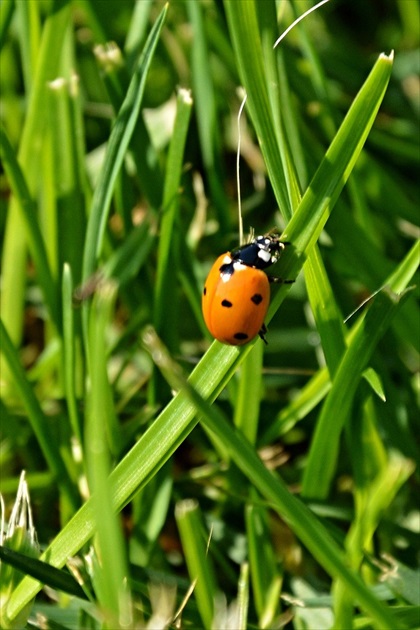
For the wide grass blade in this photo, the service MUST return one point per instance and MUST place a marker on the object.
(28, 210)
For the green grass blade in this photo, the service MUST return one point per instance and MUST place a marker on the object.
(247, 404)
(262, 562)
(169, 242)
(41, 571)
(29, 215)
(244, 28)
(70, 365)
(326, 313)
(243, 597)
(205, 99)
(116, 150)
(331, 175)
(191, 530)
(100, 440)
(369, 509)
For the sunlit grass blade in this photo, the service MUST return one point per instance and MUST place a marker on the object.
(100, 440)
(331, 175)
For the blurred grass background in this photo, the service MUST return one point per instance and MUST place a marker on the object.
(118, 192)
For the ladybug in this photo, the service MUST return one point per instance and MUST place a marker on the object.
(236, 294)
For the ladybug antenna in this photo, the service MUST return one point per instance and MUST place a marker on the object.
(301, 17)
(238, 179)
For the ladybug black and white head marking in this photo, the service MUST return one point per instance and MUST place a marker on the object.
(262, 252)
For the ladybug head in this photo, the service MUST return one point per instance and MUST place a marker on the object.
(260, 253)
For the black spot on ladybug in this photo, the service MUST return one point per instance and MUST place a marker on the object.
(204, 290)
(257, 298)
(240, 336)
(227, 304)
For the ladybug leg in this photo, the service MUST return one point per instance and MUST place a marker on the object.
(279, 280)
(262, 334)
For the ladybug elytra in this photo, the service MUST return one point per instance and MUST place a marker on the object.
(236, 294)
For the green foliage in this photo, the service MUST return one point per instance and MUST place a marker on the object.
(283, 476)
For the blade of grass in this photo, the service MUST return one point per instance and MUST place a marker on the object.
(69, 354)
(29, 20)
(243, 27)
(169, 242)
(28, 211)
(247, 403)
(243, 597)
(67, 216)
(189, 521)
(42, 571)
(117, 147)
(111, 574)
(262, 562)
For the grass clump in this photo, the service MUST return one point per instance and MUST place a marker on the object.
(174, 479)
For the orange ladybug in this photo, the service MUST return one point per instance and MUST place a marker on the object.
(236, 294)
